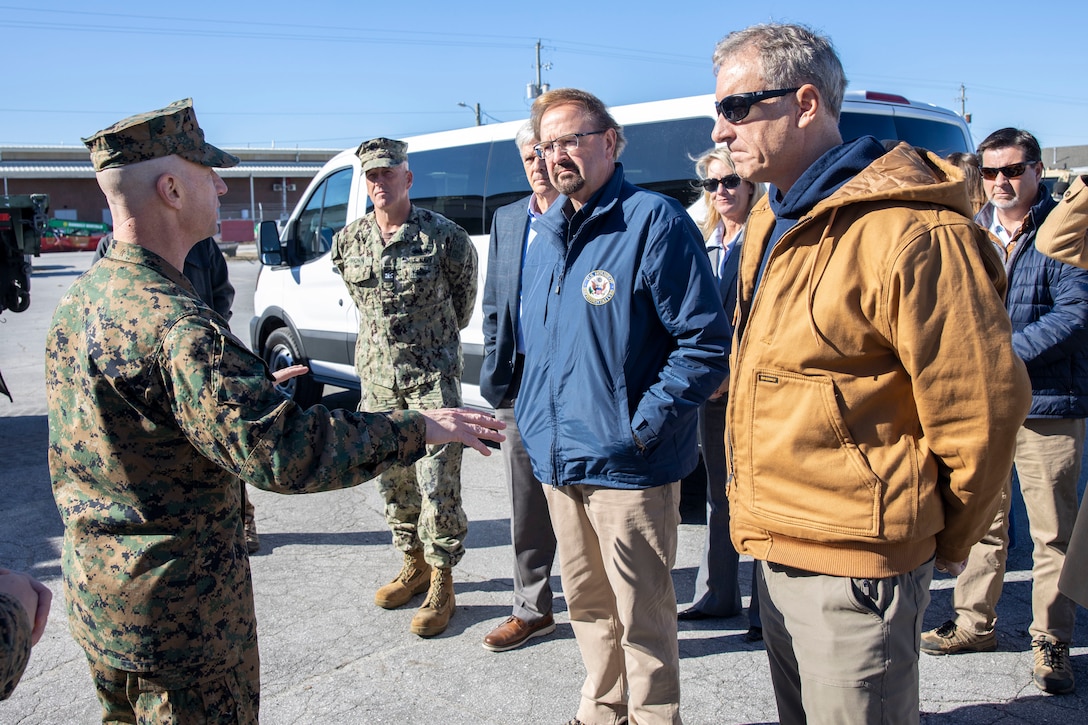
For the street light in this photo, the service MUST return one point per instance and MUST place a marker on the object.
(475, 108)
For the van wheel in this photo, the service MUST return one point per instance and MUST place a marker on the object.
(282, 349)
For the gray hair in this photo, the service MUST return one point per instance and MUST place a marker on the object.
(789, 55)
(525, 136)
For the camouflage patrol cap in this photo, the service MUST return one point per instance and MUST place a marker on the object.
(381, 152)
(165, 132)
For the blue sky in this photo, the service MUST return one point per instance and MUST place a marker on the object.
(329, 74)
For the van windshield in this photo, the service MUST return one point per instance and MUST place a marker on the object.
(938, 136)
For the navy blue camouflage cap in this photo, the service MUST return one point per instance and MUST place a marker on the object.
(381, 152)
(165, 132)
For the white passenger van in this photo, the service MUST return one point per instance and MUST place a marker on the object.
(303, 312)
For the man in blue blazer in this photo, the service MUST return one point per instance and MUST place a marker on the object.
(500, 379)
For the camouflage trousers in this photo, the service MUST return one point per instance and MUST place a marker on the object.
(423, 502)
(230, 696)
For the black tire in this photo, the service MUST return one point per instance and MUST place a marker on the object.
(282, 349)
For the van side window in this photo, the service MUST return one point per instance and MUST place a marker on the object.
(451, 181)
(325, 214)
(659, 156)
(506, 182)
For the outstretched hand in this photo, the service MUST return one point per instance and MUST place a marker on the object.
(292, 371)
(463, 425)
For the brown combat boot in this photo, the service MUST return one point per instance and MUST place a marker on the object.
(434, 616)
(412, 580)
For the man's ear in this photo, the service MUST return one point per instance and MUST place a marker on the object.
(169, 189)
(611, 139)
(809, 104)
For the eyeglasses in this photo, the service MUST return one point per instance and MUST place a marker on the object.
(735, 108)
(1009, 172)
(711, 185)
(566, 144)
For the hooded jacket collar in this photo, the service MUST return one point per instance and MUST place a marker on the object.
(826, 175)
(902, 174)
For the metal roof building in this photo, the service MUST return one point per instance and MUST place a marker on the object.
(265, 185)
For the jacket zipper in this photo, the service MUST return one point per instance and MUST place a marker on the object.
(743, 343)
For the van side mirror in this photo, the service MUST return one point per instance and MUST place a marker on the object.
(271, 249)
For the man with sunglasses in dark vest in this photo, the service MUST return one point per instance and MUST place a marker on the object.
(874, 393)
(1047, 302)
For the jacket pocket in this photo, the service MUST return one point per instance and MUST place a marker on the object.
(358, 271)
(420, 284)
(809, 478)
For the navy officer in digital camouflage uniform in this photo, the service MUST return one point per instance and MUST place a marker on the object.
(412, 275)
(155, 412)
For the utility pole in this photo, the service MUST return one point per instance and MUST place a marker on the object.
(963, 103)
(535, 89)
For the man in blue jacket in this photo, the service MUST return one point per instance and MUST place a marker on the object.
(1048, 305)
(625, 338)
(500, 379)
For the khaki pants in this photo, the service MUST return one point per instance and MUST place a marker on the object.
(1048, 455)
(843, 651)
(616, 552)
(228, 696)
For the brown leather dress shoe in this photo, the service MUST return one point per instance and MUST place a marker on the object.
(515, 632)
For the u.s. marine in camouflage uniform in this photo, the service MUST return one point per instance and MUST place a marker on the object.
(412, 274)
(155, 412)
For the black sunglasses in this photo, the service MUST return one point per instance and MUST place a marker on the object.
(1010, 172)
(735, 108)
(711, 185)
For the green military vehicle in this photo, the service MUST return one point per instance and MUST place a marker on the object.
(22, 223)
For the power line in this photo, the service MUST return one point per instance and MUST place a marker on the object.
(321, 33)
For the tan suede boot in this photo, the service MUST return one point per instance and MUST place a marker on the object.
(434, 616)
(412, 580)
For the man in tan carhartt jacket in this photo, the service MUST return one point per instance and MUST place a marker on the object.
(874, 396)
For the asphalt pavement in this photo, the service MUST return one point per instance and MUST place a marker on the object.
(330, 656)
